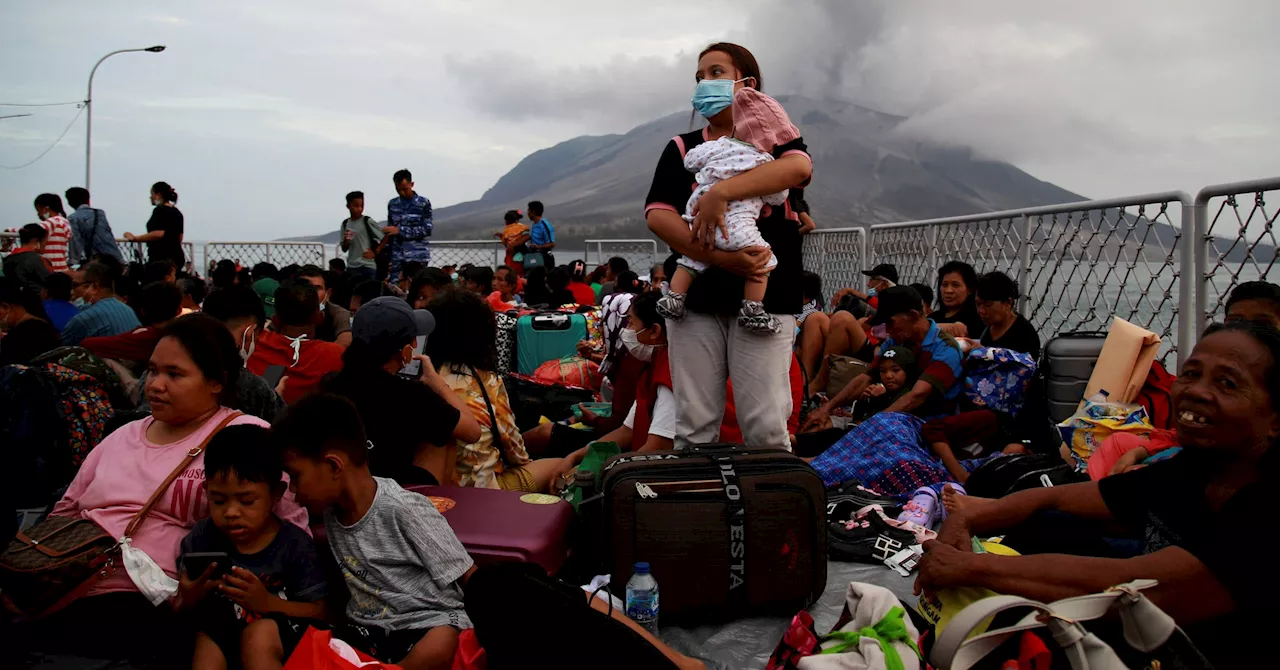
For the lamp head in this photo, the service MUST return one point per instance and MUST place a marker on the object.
(155, 49)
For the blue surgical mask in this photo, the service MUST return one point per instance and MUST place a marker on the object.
(713, 96)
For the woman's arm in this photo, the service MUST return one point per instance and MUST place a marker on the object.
(790, 171)
(467, 429)
(145, 237)
(671, 228)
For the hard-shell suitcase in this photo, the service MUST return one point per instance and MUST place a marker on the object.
(547, 337)
(1068, 363)
(728, 531)
(498, 526)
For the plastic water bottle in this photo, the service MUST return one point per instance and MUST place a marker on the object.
(642, 598)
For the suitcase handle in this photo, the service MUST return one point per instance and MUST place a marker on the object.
(720, 448)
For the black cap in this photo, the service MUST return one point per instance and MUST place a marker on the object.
(883, 270)
(894, 300)
(392, 318)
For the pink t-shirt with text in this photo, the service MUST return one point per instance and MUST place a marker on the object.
(122, 472)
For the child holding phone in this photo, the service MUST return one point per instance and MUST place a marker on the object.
(254, 605)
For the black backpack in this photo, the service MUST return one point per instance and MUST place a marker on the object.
(382, 251)
(1009, 474)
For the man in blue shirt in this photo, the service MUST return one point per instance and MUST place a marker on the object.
(57, 300)
(542, 236)
(409, 225)
(938, 357)
(106, 315)
(90, 232)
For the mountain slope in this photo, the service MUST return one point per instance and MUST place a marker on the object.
(865, 172)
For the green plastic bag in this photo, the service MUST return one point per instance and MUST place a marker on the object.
(598, 453)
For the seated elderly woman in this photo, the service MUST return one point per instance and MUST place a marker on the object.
(1198, 513)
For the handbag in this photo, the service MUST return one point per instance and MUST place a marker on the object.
(51, 564)
(841, 370)
(1152, 637)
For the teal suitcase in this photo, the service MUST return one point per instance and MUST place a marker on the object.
(547, 337)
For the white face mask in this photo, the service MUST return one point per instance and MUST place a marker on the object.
(156, 201)
(642, 351)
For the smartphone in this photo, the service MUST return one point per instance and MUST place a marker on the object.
(197, 562)
(273, 374)
(414, 369)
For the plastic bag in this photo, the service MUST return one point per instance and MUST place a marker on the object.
(150, 579)
(570, 371)
(998, 379)
(320, 650)
(1084, 432)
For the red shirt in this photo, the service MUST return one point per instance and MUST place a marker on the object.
(583, 294)
(133, 346)
(497, 304)
(730, 432)
(313, 361)
(656, 373)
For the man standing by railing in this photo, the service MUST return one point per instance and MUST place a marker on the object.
(409, 225)
(90, 231)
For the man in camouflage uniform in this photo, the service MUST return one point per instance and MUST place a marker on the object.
(408, 225)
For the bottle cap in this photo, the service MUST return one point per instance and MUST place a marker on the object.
(642, 568)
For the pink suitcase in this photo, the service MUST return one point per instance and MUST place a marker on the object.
(498, 526)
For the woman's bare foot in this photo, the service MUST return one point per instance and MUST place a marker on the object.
(954, 501)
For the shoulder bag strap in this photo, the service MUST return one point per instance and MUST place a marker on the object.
(93, 235)
(493, 418)
(191, 456)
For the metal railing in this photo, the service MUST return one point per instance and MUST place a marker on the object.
(279, 254)
(838, 255)
(639, 254)
(489, 253)
(1246, 250)
(136, 252)
(1078, 264)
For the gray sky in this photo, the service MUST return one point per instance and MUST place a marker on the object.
(262, 115)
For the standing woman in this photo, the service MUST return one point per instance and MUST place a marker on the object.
(708, 347)
(957, 311)
(164, 229)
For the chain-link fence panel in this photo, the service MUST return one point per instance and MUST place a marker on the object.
(279, 254)
(639, 254)
(1235, 228)
(136, 252)
(486, 253)
(1091, 261)
(838, 256)
(909, 247)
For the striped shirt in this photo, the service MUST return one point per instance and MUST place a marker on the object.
(56, 245)
(104, 318)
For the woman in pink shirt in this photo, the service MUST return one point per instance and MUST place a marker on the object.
(193, 375)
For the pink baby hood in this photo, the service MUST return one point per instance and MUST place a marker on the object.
(760, 121)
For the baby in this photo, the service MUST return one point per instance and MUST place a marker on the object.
(759, 125)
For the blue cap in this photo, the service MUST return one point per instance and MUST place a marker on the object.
(642, 568)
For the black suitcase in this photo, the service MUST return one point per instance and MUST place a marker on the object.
(728, 531)
(1067, 364)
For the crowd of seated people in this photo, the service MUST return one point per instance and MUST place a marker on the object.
(301, 347)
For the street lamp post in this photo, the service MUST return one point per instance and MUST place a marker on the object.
(88, 103)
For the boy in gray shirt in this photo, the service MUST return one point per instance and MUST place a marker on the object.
(402, 563)
(361, 238)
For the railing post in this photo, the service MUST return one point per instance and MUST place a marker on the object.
(863, 249)
(1189, 292)
(1024, 272)
(931, 236)
(1198, 248)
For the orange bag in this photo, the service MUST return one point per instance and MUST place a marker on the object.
(570, 371)
(470, 655)
(319, 650)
